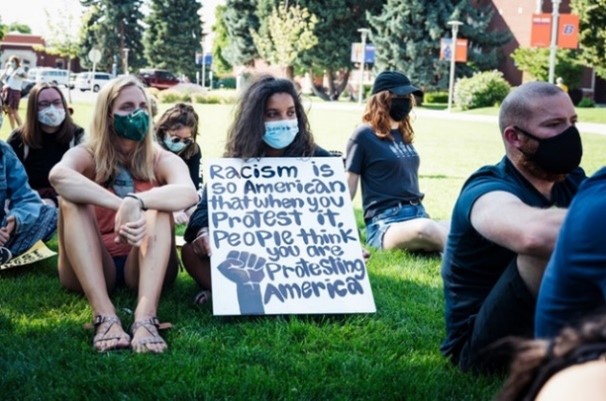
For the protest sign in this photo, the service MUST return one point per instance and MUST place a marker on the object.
(39, 251)
(284, 238)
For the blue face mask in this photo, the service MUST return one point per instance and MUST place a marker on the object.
(280, 134)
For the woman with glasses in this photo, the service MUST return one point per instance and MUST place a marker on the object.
(48, 132)
(381, 155)
(118, 191)
(176, 131)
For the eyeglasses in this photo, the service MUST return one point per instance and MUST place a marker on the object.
(45, 103)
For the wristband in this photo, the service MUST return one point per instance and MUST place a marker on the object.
(137, 198)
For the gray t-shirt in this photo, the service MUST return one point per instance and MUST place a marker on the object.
(388, 169)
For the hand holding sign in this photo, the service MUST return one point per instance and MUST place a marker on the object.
(246, 270)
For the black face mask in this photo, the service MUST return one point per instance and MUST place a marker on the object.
(400, 107)
(559, 154)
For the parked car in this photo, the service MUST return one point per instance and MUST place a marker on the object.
(84, 81)
(53, 76)
(156, 78)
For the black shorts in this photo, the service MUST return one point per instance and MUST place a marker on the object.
(507, 311)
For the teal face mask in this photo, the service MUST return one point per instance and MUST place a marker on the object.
(133, 126)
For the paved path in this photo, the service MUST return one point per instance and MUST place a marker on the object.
(589, 128)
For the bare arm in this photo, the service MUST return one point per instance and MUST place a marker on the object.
(504, 219)
(72, 179)
(352, 183)
(178, 193)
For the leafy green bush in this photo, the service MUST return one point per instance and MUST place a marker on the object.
(483, 89)
(225, 83)
(586, 102)
(172, 96)
(436, 97)
(215, 97)
(535, 62)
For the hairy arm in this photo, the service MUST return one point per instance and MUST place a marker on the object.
(505, 220)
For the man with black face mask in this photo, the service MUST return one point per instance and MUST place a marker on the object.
(504, 225)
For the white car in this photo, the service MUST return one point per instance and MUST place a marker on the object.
(53, 76)
(85, 83)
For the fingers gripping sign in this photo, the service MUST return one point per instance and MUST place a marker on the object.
(246, 270)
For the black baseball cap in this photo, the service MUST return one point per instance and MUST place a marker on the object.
(395, 82)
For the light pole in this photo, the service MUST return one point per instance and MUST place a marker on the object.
(364, 32)
(453, 53)
(555, 5)
(126, 50)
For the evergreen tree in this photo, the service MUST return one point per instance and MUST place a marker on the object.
(592, 30)
(407, 38)
(173, 35)
(114, 26)
(240, 19)
(337, 29)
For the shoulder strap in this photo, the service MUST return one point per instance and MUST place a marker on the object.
(25, 151)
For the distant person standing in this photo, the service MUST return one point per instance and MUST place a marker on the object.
(12, 77)
(560, 83)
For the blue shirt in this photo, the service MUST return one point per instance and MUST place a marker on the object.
(20, 199)
(574, 283)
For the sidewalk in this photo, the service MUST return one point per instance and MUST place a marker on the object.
(585, 128)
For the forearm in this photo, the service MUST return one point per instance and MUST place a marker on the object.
(169, 198)
(538, 240)
(76, 188)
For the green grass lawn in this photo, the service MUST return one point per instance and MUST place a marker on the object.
(393, 354)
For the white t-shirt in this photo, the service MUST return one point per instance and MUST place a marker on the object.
(14, 79)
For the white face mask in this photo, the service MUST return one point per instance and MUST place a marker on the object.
(51, 116)
(174, 147)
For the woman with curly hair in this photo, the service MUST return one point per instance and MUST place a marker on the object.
(568, 367)
(381, 155)
(270, 121)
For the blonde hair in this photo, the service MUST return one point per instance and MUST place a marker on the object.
(102, 141)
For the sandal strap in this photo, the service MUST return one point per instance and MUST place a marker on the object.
(153, 321)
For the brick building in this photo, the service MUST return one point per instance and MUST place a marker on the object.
(30, 49)
(516, 17)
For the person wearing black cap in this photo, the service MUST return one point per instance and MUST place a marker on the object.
(381, 153)
(504, 227)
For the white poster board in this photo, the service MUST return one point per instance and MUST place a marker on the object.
(284, 238)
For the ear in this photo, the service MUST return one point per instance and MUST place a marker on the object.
(512, 136)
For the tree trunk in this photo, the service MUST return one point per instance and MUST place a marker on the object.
(314, 89)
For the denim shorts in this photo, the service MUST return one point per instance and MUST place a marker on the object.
(380, 223)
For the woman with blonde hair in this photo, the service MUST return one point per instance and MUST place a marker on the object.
(380, 153)
(117, 194)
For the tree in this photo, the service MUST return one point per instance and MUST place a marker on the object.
(18, 27)
(62, 39)
(407, 38)
(592, 30)
(239, 18)
(173, 35)
(535, 62)
(220, 64)
(337, 28)
(289, 34)
(113, 26)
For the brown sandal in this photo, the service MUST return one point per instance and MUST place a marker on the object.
(152, 325)
(102, 325)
